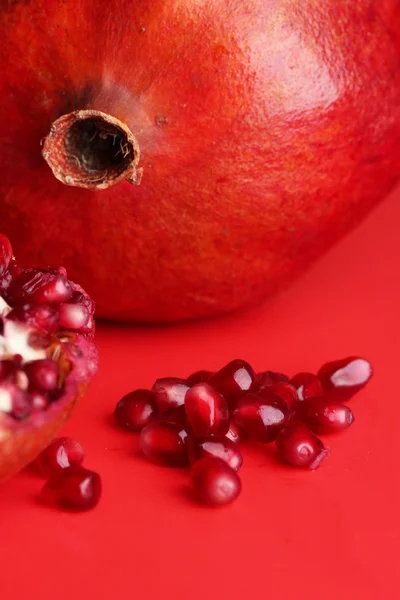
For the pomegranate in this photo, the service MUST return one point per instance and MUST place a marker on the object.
(233, 380)
(44, 367)
(75, 489)
(169, 392)
(62, 453)
(344, 378)
(217, 446)
(164, 443)
(214, 482)
(299, 447)
(135, 410)
(252, 125)
(307, 385)
(261, 416)
(324, 416)
(206, 411)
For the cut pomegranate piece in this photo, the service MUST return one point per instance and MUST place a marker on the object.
(307, 385)
(169, 392)
(262, 417)
(43, 374)
(164, 443)
(299, 447)
(267, 378)
(325, 417)
(40, 316)
(6, 253)
(217, 446)
(76, 489)
(199, 377)
(345, 377)
(206, 410)
(283, 390)
(62, 453)
(214, 482)
(73, 316)
(233, 380)
(135, 410)
(235, 433)
(41, 287)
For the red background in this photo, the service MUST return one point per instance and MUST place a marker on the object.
(333, 533)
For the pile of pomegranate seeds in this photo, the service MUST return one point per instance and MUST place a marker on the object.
(200, 421)
(69, 485)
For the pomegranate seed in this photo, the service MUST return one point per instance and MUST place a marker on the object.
(79, 298)
(6, 368)
(6, 253)
(199, 377)
(325, 417)
(42, 316)
(233, 380)
(281, 389)
(345, 377)
(300, 448)
(164, 443)
(235, 433)
(261, 416)
(62, 453)
(175, 416)
(217, 446)
(267, 378)
(14, 400)
(40, 286)
(307, 385)
(206, 410)
(75, 489)
(214, 482)
(73, 316)
(43, 374)
(169, 392)
(135, 410)
(38, 401)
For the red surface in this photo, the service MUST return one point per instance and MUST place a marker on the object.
(329, 534)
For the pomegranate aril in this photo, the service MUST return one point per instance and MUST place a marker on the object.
(14, 401)
(39, 401)
(169, 392)
(42, 316)
(283, 390)
(323, 416)
(216, 446)
(299, 447)
(73, 316)
(206, 410)
(62, 453)
(43, 374)
(43, 287)
(6, 368)
(199, 377)
(307, 385)
(6, 253)
(267, 378)
(135, 410)
(235, 433)
(164, 443)
(214, 482)
(345, 377)
(174, 416)
(261, 416)
(233, 380)
(75, 489)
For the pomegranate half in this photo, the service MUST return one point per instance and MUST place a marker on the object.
(261, 131)
(47, 356)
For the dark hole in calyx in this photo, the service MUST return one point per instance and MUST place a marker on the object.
(97, 146)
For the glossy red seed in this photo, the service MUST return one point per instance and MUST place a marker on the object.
(6, 253)
(233, 380)
(206, 410)
(235, 433)
(38, 401)
(175, 416)
(135, 410)
(75, 489)
(42, 316)
(214, 482)
(169, 392)
(262, 417)
(216, 446)
(307, 385)
(323, 416)
(62, 453)
(345, 377)
(43, 287)
(267, 378)
(199, 377)
(164, 443)
(299, 447)
(73, 316)
(17, 400)
(43, 374)
(283, 390)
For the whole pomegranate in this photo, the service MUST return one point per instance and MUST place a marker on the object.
(261, 132)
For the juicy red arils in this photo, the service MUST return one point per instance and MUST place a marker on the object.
(38, 401)
(262, 417)
(283, 390)
(199, 377)
(345, 377)
(41, 316)
(14, 400)
(135, 410)
(206, 410)
(323, 416)
(233, 380)
(43, 374)
(214, 482)
(43, 287)
(62, 453)
(75, 489)
(307, 385)
(73, 316)
(6, 253)
(169, 392)
(164, 443)
(300, 448)
(267, 378)
(216, 446)
(235, 433)
(174, 416)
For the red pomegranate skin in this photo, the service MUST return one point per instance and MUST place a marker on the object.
(267, 130)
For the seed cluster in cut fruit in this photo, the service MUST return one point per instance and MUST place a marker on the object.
(200, 421)
(69, 486)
